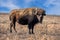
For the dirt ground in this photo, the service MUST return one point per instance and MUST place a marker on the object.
(48, 30)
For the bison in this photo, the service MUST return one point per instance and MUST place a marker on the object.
(27, 16)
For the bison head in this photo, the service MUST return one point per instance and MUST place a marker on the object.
(40, 13)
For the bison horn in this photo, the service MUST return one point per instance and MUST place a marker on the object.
(36, 11)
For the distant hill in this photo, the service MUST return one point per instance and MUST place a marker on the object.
(8, 13)
(4, 13)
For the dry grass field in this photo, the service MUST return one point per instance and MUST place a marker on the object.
(49, 30)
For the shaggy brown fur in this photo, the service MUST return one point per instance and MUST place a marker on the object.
(26, 16)
(21, 12)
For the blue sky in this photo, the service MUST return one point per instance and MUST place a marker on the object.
(52, 7)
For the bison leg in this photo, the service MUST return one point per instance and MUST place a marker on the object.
(14, 26)
(31, 27)
(11, 27)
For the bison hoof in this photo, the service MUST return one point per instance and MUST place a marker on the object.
(29, 32)
(10, 31)
(32, 33)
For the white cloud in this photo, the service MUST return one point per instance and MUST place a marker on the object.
(48, 2)
(8, 4)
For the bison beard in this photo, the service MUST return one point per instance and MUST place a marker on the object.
(41, 19)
